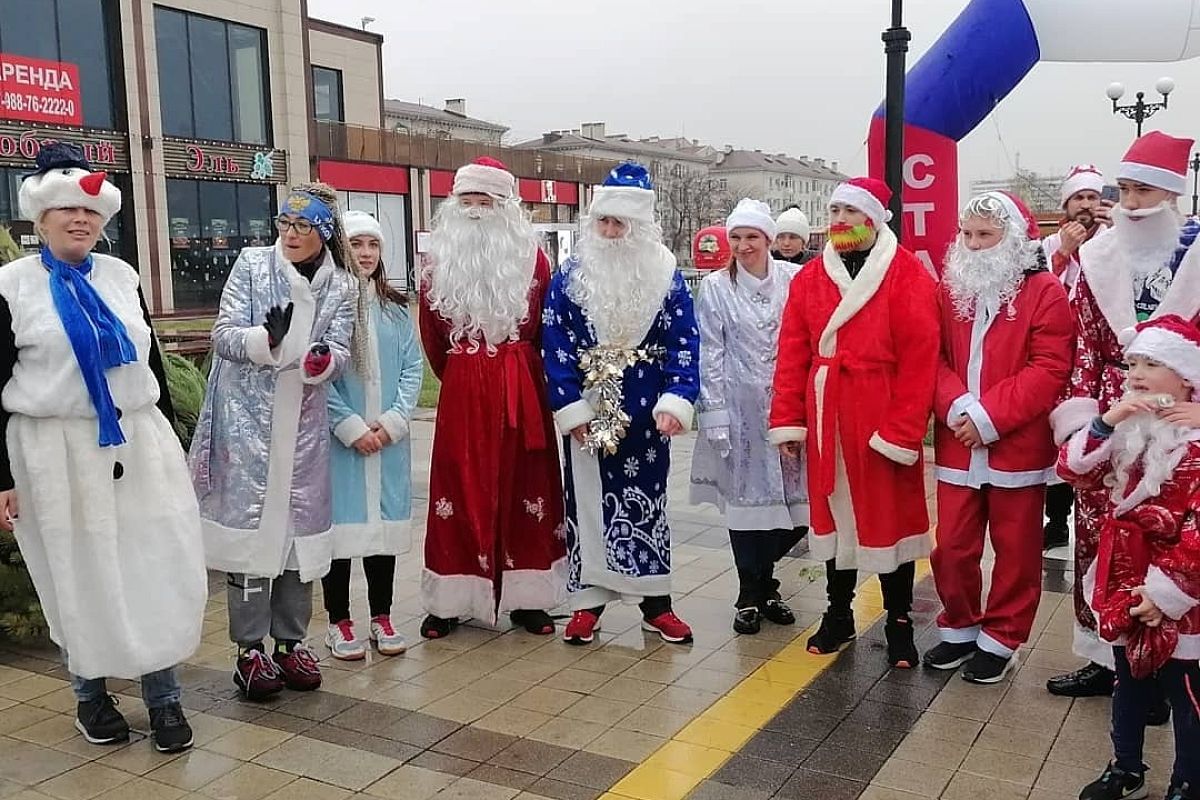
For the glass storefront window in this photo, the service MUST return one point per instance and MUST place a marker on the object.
(73, 32)
(212, 78)
(327, 94)
(209, 223)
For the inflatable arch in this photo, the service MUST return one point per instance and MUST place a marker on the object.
(982, 57)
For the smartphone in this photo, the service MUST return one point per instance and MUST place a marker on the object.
(1111, 194)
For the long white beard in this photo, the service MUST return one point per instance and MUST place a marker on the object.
(1155, 444)
(988, 278)
(1149, 237)
(480, 272)
(620, 283)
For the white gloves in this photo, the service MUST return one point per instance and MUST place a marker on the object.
(718, 439)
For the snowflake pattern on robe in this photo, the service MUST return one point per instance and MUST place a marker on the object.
(629, 485)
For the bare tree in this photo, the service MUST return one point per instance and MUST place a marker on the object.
(687, 203)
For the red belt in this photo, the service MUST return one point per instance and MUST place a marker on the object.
(521, 391)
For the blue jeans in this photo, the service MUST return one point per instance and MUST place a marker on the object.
(159, 688)
(1131, 698)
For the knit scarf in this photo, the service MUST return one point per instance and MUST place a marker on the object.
(97, 337)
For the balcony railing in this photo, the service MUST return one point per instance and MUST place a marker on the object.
(381, 146)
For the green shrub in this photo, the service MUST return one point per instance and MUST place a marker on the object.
(187, 384)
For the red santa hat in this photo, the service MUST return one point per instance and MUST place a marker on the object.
(1082, 178)
(485, 175)
(1158, 160)
(1018, 212)
(868, 195)
(1171, 341)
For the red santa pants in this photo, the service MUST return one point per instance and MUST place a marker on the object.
(1013, 519)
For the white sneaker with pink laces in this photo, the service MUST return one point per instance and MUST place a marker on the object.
(388, 641)
(343, 644)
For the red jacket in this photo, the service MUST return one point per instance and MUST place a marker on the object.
(1006, 375)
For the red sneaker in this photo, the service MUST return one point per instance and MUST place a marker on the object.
(256, 676)
(670, 627)
(299, 669)
(582, 627)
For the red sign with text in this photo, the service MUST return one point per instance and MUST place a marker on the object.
(36, 90)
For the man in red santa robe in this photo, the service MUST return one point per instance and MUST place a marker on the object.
(1085, 214)
(1145, 267)
(494, 542)
(1006, 353)
(858, 352)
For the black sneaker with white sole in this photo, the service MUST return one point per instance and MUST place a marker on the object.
(986, 668)
(100, 722)
(169, 729)
(1116, 784)
(949, 655)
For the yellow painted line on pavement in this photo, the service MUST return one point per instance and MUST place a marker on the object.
(717, 733)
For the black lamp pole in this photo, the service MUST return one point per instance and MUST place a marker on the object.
(1196, 186)
(1140, 111)
(895, 39)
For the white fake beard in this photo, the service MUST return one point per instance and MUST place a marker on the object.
(620, 283)
(481, 270)
(1155, 444)
(1148, 237)
(988, 278)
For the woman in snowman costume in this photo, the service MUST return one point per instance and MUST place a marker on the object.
(95, 486)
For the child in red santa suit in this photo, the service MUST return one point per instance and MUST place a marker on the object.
(1144, 585)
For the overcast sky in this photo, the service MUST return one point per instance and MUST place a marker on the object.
(795, 76)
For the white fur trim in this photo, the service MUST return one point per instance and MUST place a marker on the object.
(572, 415)
(534, 589)
(778, 436)
(360, 223)
(1082, 463)
(713, 419)
(989, 644)
(1169, 349)
(751, 213)
(1086, 178)
(313, 380)
(983, 422)
(1085, 643)
(482, 179)
(350, 430)
(622, 202)
(394, 423)
(863, 200)
(959, 407)
(381, 538)
(793, 221)
(1072, 415)
(57, 189)
(1158, 177)
(959, 635)
(858, 292)
(1166, 594)
(677, 407)
(258, 347)
(893, 452)
(461, 596)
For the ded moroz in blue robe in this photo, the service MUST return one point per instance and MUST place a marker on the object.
(618, 537)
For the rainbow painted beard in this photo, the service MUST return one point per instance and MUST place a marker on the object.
(845, 237)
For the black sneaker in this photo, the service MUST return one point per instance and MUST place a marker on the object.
(836, 631)
(1055, 534)
(778, 612)
(1092, 680)
(747, 621)
(902, 652)
(100, 722)
(169, 729)
(985, 667)
(949, 655)
(1116, 784)
(1182, 791)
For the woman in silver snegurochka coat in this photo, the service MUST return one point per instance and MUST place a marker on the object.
(260, 455)
(761, 491)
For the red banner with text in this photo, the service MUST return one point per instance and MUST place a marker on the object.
(36, 90)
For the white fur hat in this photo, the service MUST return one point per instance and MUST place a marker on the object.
(794, 221)
(64, 179)
(485, 175)
(360, 223)
(1170, 340)
(1083, 177)
(751, 213)
(627, 193)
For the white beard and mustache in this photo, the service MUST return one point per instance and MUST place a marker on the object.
(1148, 237)
(1155, 444)
(988, 278)
(620, 283)
(480, 272)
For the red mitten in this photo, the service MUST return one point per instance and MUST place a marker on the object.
(1149, 649)
(317, 360)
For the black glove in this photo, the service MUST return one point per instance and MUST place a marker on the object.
(319, 349)
(279, 321)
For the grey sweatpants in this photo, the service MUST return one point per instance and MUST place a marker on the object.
(258, 607)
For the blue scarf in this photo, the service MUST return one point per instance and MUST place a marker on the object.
(97, 336)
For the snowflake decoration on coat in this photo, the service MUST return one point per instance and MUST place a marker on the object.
(631, 467)
(536, 508)
(444, 508)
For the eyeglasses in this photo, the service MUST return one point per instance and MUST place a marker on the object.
(301, 226)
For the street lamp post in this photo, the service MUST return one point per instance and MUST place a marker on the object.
(895, 39)
(1140, 111)
(1196, 186)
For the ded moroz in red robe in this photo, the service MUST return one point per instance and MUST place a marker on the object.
(854, 379)
(495, 540)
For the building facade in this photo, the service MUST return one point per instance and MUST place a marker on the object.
(450, 122)
(779, 180)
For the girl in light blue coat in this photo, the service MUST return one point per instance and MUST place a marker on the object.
(371, 458)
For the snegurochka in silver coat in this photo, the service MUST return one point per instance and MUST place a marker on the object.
(761, 491)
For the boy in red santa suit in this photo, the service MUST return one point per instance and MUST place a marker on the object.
(858, 352)
(1145, 267)
(1144, 585)
(1007, 335)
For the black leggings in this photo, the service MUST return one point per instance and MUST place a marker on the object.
(755, 554)
(897, 588)
(336, 585)
(1058, 502)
